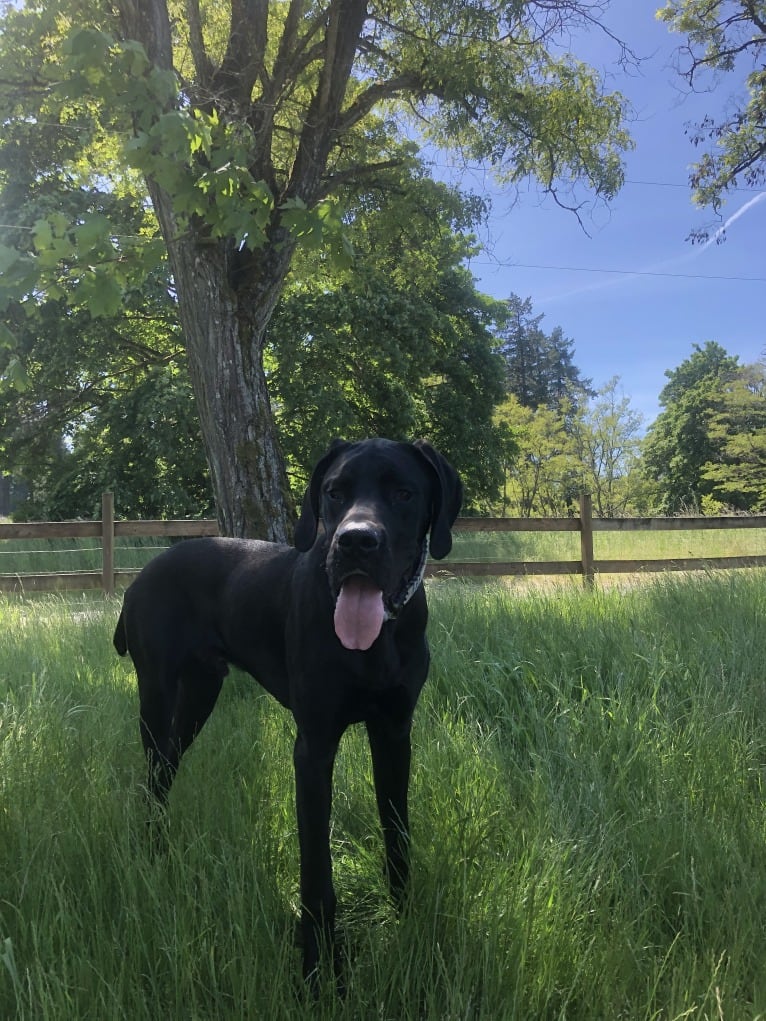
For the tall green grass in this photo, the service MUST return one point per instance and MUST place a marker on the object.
(588, 812)
(731, 542)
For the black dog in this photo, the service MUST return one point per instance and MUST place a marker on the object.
(334, 629)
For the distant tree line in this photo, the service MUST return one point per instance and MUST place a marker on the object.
(705, 452)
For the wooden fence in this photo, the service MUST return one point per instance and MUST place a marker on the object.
(108, 529)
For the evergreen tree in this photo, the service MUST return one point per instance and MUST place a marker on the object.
(540, 369)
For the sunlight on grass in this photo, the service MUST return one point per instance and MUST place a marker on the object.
(609, 545)
(33, 556)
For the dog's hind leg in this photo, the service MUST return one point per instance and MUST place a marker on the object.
(172, 714)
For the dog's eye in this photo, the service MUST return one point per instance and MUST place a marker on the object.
(335, 494)
(403, 495)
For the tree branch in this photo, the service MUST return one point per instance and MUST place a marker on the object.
(148, 22)
(331, 183)
(755, 17)
(243, 64)
(294, 54)
(374, 94)
(321, 125)
(202, 64)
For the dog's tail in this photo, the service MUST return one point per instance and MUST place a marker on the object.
(120, 639)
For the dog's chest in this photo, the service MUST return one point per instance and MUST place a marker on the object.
(396, 701)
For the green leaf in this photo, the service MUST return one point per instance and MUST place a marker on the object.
(135, 56)
(16, 375)
(96, 228)
(8, 256)
(101, 293)
(60, 223)
(88, 42)
(7, 339)
(42, 235)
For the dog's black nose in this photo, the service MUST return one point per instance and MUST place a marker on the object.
(360, 539)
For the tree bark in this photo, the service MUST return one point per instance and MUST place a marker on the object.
(225, 330)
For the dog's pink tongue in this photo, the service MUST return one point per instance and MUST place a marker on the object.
(358, 613)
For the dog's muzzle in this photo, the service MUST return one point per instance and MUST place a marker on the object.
(361, 608)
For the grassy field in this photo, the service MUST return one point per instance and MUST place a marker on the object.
(588, 811)
(610, 545)
(32, 556)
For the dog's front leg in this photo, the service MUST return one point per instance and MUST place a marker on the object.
(314, 759)
(391, 752)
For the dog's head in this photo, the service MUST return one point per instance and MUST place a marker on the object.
(380, 502)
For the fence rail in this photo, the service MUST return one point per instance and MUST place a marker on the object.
(110, 577)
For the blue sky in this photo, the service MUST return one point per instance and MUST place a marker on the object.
(636, 326)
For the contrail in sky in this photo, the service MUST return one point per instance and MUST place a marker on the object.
(735, 216)
(665, 265)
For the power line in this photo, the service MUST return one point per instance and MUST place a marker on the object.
(670, 184)
(686, 186)
(481, 168)
(619, 272)
(552, 267)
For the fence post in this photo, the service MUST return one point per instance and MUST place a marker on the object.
(107, 543)
(586, 540)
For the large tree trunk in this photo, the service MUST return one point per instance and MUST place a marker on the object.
(225, 331)
(225, 310)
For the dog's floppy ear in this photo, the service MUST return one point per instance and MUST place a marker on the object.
(446, 501)
(308, 522)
